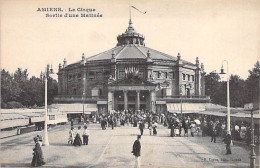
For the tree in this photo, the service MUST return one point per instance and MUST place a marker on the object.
(212, 85)
(10, 89)
(238, 91)
(253, 82)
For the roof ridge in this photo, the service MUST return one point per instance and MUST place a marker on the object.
(167, 55)
(102, 53)
(120, 51)
(141, 51)
(170, 56)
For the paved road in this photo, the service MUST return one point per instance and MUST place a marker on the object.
(112, 148)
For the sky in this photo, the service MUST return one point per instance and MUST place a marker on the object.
(214, 31)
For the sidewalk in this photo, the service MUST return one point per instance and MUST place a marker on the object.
(8, 133)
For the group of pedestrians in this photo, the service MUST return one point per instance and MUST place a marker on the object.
(77, 138)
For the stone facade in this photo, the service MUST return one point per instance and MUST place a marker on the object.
(131, 76)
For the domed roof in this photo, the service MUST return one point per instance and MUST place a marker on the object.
(131, 46)
(131, 52)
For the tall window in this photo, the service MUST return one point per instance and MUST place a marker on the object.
(70, 77)
(121, 74)
(141, 74)
(79, 76)
(188, 77)
(99, 75)
(171, 75)
(192, 78)
(166, 75)
(91, 75)
(183, 77)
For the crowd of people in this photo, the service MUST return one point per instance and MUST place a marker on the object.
(179, 125)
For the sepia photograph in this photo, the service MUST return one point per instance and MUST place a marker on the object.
(130, 83)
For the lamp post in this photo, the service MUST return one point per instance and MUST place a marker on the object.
(250, 107)
(252, 154)
(228, 98)
(46, 138)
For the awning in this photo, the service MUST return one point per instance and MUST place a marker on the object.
(185, 107)
(77, 108)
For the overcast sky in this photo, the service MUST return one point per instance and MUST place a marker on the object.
(212, 30)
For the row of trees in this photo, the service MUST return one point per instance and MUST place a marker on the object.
(241, 91)
(17, 90)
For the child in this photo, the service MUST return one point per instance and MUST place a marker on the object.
(151, 129)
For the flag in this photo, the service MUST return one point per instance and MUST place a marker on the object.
(138, 10)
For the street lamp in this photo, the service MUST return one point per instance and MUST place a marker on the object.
(48, 71)
(250, 107)
(228, 98)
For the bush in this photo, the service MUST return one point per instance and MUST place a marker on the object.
(14, 104)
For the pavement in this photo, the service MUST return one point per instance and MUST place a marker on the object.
(112, 148)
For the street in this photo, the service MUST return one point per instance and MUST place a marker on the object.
(112, 148)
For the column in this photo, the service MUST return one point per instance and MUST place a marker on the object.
(125, 100)
(152, 100)
(137, 107)
(110, 101)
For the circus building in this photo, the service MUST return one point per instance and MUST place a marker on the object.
(131, 76)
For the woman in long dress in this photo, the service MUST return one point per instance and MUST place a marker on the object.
(38, 159)
(78, 140)
(71, 135)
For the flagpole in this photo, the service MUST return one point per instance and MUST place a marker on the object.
(130, 10)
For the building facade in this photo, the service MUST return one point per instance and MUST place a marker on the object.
(131, 76)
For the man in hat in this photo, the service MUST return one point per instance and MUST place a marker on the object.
(227, 141)
(141, 127)
(137, 151)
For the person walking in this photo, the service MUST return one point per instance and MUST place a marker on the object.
(154, 128)
(137, 151)
(78, 140)
(71, 136)
(203, 128)
(213, 134)
(186, 128)
(228, 141)
(85, 135)
(37, 159)
(141, 127)
(193, 129)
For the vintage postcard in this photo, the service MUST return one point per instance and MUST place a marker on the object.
(134, 83)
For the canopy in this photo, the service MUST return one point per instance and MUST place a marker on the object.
(77, 108)
(185, 107)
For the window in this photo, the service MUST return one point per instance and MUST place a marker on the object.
(106, 73)
(188, 77)
(183, 76)
(121, 74)
(70, 77)
(91, 75)
(171, 75)
(79, 76)
(100, 92)
(99, 75)
(192, 77)
(166, 75)
(141, 74)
